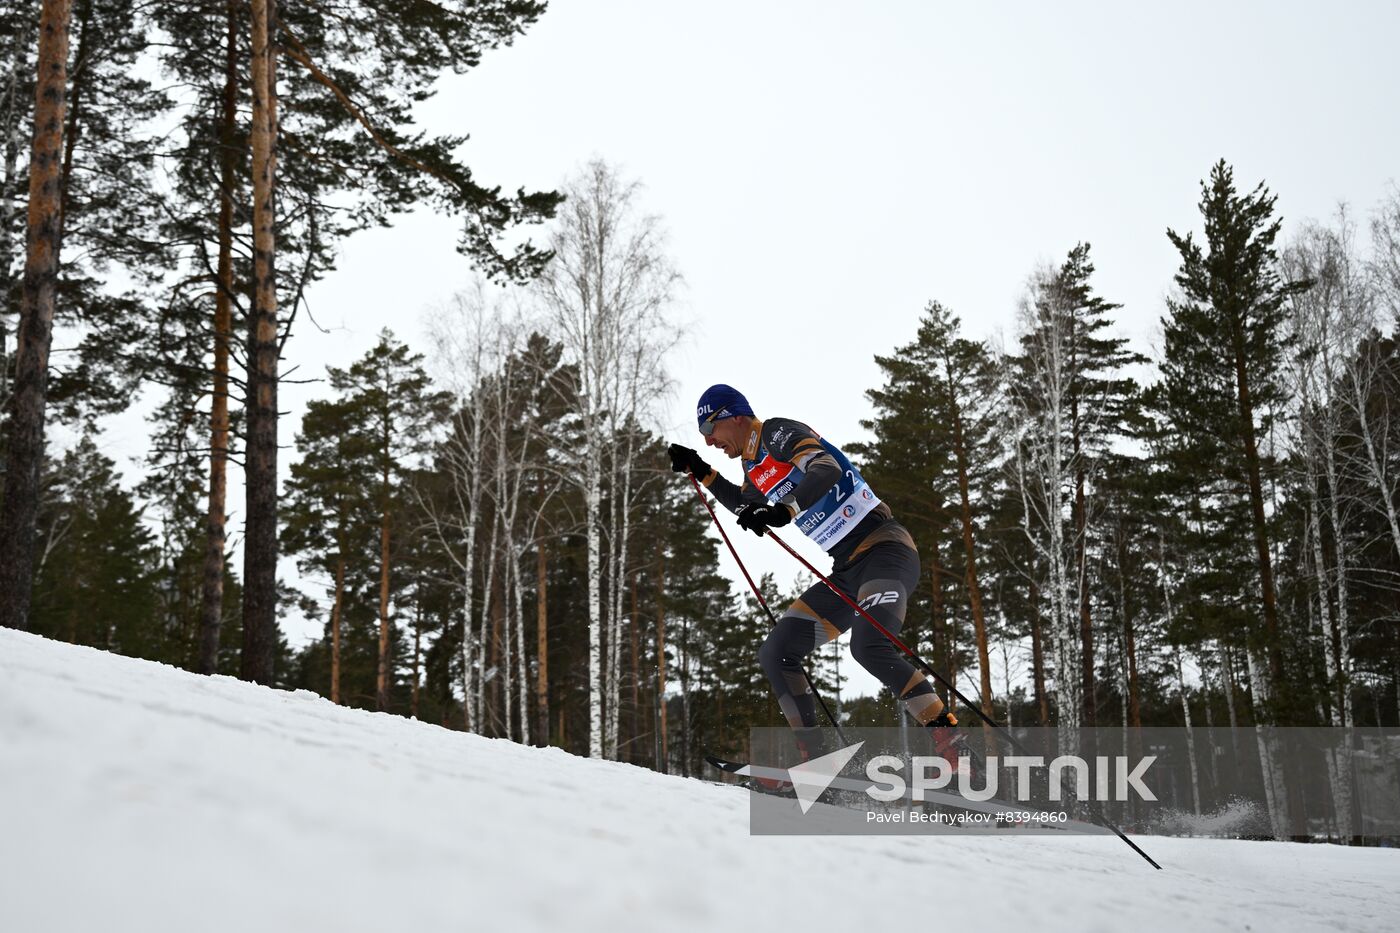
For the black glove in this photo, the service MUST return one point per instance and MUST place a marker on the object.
(757, 518)
(684, 460)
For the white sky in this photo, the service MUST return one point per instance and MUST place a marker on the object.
(825, 168)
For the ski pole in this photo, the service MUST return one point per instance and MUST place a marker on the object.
(764, 603)
(1093, 805)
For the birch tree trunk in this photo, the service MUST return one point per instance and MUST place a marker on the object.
(1328, 440)
(614, 591)
(1042, 700)
(1275, 788)
(1376, 464)
(1066, 630)
(1343, 674)
(212, 596)
(508, 616)
(1080, 513)
(505, 496)
(494, 664)
(484, 643)
(1206, 704)
(1227, 683)
(1339, 759)
(593, 494)
(522, 674)
(1190, 734)
(470, 705)
(472, 670)
(663, 764)
(622, 510)
(685, 695)
(1323, 600)
(381, 695)
(633, 624)
(542, 642)
(1009, 722)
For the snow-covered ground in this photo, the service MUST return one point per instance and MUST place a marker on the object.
(138, 797)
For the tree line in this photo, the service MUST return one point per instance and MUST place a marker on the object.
(164, 217)
(485, 527)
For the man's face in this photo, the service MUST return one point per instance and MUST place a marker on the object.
(730, 436)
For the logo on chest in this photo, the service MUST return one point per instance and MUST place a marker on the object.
(768, 473)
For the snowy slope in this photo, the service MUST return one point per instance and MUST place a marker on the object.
(138, 797)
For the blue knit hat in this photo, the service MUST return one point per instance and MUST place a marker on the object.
(721, 401)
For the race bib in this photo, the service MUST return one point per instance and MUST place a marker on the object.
(833, 516)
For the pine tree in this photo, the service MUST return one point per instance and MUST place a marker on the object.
(95, 581)
(92, 209)
(25, 448)
(1225, 340)
(333, 121)
(394, 410)
(330, 513)
(933, 440)
(1103, 401)
(909, 462)
(263, 354)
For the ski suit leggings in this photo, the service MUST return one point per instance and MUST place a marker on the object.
(880, 580)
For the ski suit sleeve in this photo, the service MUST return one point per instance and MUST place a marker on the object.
(793, 442)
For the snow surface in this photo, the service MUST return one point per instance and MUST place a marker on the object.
(135, 796)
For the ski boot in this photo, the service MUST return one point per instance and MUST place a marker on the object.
(810, 744)
(951, 744)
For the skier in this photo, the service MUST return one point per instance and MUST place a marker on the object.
(792, 474)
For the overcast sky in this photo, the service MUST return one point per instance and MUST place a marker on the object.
(824, 169)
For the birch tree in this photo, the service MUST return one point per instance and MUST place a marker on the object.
(522, 405)
(467, 338)
(1072, 399)
(1044, 464)
(1329, 321)
(606, 295)
(1335, 364)
(1384, 264)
